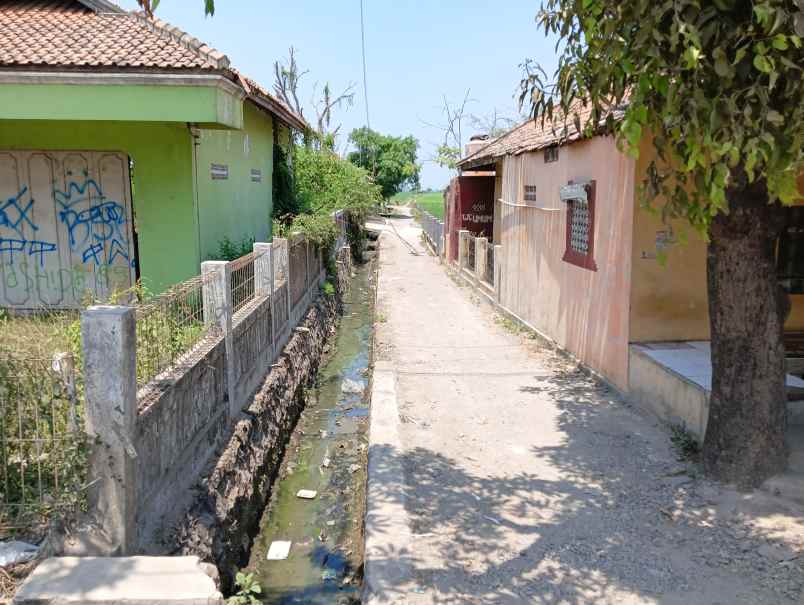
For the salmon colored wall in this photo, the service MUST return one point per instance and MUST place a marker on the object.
(585, 311)
(497, 195)
(670, 302)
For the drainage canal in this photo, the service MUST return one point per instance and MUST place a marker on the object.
(326, 455)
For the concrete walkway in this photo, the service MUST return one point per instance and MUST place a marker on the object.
(498, 473)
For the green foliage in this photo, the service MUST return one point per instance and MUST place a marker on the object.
(447, 156)
(248, 590)
(229, 250)
(285, 202)
(390, 160)
(718, 86)
(329, 289)
(326, 182)
(685, 443)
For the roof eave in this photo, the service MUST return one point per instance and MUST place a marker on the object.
(287, 117)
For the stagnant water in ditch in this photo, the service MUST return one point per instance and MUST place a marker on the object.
(327, 454)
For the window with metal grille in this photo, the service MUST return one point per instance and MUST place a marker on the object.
(550, 155)
(530, 193)
(580, 244)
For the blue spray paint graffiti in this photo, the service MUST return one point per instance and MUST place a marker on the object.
(60, 242)
(32, 248)
(92, 227)
(14, 216)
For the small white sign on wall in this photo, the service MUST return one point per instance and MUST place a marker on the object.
(219, 172)
(573, 192)
(256, 175)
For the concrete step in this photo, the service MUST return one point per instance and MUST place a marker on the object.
(120, 581)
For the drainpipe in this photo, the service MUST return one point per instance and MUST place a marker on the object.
(195, 134)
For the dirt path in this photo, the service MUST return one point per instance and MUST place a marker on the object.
(501, 474)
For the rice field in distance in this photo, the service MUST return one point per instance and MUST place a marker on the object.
(432, 202)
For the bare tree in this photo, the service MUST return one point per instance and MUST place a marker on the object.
(286, 81)
(328, 102)
(493, 124)
(449, 151)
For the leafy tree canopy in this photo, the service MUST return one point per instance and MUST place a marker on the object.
(390, 160)
(717, 83)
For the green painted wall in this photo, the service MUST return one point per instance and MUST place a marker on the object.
(236, 207)
(141, 103)
(163, 184)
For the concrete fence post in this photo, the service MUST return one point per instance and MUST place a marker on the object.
(109, 343)
(262, 269)
(463, 245)
(481, 245)
(217, 292)
(285, 243)
(264, 280)
(498, 273)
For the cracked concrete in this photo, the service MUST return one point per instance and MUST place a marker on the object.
(500, 473)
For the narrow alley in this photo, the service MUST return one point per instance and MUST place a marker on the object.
(501, 473)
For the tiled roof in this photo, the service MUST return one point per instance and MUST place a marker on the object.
(97, 34)
(66, 33)
(532, 136)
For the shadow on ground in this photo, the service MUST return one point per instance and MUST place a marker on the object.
(617, 520)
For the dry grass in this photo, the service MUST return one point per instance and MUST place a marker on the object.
(40, 336)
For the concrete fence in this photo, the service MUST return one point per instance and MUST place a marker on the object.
(155, 431)
(433, 229)
(479, 263)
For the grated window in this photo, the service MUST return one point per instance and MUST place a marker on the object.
(580, 226)
(580, 243)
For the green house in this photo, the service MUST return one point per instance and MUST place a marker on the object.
(128, 150)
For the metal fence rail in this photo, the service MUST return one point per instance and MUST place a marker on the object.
(170, 326)
(471, 245)
(242, 281)
(42, 444)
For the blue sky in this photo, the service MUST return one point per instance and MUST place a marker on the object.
(417, 51)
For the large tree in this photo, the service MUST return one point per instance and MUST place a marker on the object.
(390, 160)
(717, 87)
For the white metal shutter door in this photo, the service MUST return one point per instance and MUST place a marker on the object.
(65, 228)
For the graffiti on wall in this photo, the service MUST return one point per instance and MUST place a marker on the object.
(96, 229)
(15, 216)
(76, 241)
(95, 226)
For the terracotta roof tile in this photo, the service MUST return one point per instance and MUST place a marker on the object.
(66, 33)
(99, 34)
(532, 136)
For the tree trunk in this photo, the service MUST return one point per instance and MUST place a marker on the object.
(745, 436)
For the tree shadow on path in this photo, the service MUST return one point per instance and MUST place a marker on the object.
(614, 521)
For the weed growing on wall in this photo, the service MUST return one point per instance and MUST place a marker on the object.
(229, 250)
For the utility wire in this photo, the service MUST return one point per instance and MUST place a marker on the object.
(365, 86)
